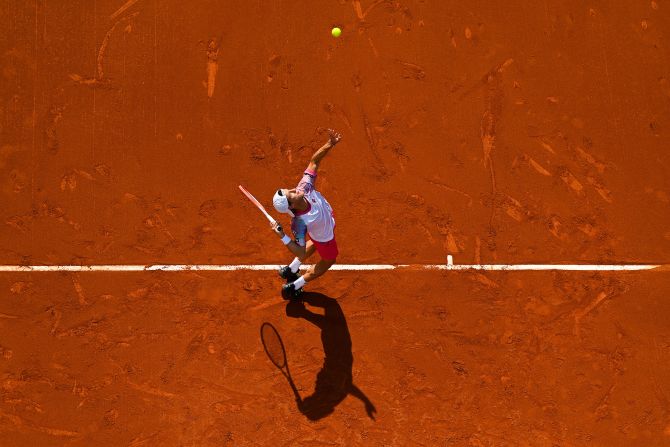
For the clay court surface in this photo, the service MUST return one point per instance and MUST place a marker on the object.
(497, 132)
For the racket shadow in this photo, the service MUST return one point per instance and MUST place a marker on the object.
(334, 382)
(276, 352)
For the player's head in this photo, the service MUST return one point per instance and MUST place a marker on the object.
(285, 200)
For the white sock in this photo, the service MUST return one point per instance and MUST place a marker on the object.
(298, 283)
(295, 265)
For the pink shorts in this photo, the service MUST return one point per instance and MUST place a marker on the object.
(327, 250)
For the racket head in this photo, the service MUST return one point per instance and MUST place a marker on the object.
(273, 345)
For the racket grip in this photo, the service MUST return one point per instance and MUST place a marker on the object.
(279, 228)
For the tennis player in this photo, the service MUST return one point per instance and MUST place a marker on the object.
(312, 216)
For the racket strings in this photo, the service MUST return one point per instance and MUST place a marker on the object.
(273, 345)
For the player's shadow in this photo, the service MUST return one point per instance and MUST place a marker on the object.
(335, 381)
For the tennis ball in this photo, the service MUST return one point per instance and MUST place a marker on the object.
(336, 32)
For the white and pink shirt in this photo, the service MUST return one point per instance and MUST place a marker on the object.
(318, 220)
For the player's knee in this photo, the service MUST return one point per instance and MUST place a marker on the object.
(324, 265)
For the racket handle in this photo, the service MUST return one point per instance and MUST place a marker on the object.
(279, 228)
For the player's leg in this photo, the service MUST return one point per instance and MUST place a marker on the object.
(318, 269)
(290, 272)
(328, 252)
(294, 289)
(310, 248)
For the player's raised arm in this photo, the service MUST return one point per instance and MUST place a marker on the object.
(333, 139)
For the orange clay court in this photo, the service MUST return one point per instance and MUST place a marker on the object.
(499, 133)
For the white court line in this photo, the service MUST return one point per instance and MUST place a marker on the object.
(342, 267)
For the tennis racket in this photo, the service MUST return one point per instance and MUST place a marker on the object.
(274, 348)
(259, 206)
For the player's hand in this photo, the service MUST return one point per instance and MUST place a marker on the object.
(279, 231)
(370, 410)
(334, 137)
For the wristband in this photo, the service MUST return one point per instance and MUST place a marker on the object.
(286, 240)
